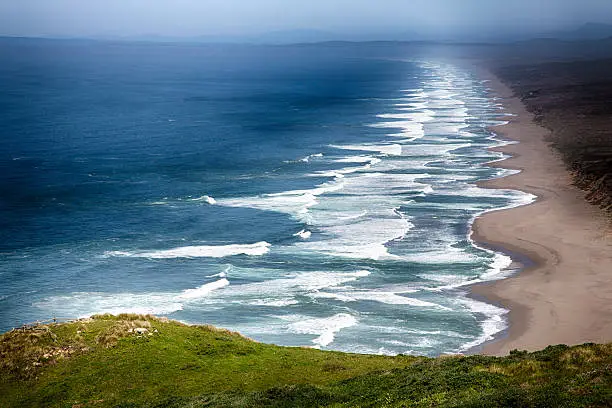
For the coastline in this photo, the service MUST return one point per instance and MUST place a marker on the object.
(564, 295)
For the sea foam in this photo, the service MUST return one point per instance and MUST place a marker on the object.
(203, 290)
(206, 199)
(324, 328)
(493, 321)
(304, 234)
(157, 303)
(200, 251)
(388, 149)
(389, 298)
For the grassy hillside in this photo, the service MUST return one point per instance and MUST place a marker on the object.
(141, 361)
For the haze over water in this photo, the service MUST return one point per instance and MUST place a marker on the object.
(299, 195)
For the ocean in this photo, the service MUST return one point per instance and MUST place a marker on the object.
(308, 195)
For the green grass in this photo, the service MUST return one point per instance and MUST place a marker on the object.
(105, 362)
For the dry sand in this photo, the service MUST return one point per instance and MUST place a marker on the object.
(566, 297)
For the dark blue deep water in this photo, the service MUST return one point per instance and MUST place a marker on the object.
(303, 195)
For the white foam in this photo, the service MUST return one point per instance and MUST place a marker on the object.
(368, 161)
(304, 234)
(217, 275)
(89, 303)
(499, 268)
(425, 342)
(493, 323)
(274, 291)
(320, 189)
(499, 123)
(201, 251)
(408, 129)
(341, 296)
(358, 223)
(274, 303)
(157, 303)
(500, 263)
(412, 90)
(352, 216)
(340, 218)
(474, 191)
(389, 298)
(444, 254)
(358, 159)
(425, 115)
(363, 238)
(324, 328)
(434, 150)
(418, 94)
(446, 333)
(304, 282)
(206, 199)
(203, 290)
(410, 121)
(375, 251)
(223, 274)
(293, 202)
(312, 156)
(410, 104)
(448, 281)
(388, 149)
(340, 173)
(440, 94)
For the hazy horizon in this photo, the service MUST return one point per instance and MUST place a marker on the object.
(316, 20)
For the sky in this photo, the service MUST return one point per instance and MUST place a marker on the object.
(189, 18)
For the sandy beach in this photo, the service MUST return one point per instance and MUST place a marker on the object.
(565, 297)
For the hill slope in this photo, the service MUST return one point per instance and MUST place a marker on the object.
(142, 361)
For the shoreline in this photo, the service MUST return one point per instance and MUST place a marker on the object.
(549, 300)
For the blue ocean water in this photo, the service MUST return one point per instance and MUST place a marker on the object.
(302, 195)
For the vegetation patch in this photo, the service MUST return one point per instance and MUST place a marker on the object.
(143, 361)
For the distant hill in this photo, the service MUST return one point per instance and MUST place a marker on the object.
(303, 36)
(293, 36)
(279, 37)
(588, 31)
(585, 32)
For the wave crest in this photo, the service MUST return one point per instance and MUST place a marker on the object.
(201, 251)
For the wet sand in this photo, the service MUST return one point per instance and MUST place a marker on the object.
(565, 296)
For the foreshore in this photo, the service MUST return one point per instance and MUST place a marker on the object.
(565, 295)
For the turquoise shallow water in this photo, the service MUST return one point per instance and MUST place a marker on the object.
(298, 195)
